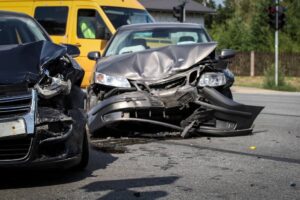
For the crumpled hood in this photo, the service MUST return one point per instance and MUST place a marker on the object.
(155, 64)
(22, 63)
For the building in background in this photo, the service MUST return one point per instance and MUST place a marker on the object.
(162, 10)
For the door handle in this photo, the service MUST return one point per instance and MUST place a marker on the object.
(77, 45)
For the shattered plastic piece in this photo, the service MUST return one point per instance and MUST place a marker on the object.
(186, 132)
(57, 86)
(252, 147)
(293, 184)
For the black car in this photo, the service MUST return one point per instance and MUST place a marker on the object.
(42, 118)
(165, 77)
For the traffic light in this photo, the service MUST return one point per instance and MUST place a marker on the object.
(272, 16)
(179, 12)
(281, 17)
(272, 12)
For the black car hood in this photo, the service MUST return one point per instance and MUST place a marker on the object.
(155, 64)
(23, 63)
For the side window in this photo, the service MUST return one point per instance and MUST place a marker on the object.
(90, 25)
(53, 19)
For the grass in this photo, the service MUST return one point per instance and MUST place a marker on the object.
(293, 83)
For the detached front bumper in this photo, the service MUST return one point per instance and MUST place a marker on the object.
(116, 109)
(219, 116)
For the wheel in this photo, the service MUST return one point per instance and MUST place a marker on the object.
(84, 161)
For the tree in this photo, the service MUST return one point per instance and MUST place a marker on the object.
(260, 36)
(243, 25)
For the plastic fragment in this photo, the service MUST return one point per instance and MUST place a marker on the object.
(252, 147)
(293, 184)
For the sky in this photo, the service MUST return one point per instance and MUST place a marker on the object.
(218, 1)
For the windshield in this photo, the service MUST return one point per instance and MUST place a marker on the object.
(133, 41)
(19, 30)
(126, 16)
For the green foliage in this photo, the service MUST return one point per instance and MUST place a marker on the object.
(269, 80)
(243, 25)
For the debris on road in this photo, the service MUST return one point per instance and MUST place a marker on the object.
(116, 145)
(293, 184)
(252, 147)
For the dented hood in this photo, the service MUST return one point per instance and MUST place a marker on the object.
(22, 63)
(155, 64)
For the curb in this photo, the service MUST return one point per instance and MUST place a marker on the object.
(250, 90)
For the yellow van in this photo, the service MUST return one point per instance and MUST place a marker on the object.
(87, 24)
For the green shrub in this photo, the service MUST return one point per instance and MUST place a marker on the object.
(269, 77)
(269, 80)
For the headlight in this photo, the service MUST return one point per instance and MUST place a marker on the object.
(212, 79)
(50, 87)
(111, 80)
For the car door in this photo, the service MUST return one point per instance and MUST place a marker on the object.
(89, 34)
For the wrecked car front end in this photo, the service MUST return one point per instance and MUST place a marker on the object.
(42, 121)
(165, 92)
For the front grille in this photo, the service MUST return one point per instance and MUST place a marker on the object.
(15, 104)
(14, 149)
(179, 81)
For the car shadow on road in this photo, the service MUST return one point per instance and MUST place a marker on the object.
(128, 188)
(19, 178)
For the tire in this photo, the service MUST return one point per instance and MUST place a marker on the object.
(84, 160)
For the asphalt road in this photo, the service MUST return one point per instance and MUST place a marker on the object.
(199, 168)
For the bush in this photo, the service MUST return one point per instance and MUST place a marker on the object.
(269, 80)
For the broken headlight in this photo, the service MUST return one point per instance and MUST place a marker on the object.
(50, 87)
(212, 79)
(111, 80)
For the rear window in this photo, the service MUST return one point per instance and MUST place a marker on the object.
(53, 19)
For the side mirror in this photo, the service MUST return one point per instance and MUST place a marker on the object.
(226, 54)
(72, 50)
(94, 55)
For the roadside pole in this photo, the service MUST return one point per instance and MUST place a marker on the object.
(276, 44)
(184, 12)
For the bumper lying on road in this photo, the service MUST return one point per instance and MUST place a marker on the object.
(221, 116)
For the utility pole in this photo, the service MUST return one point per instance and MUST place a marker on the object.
(276, 43)
(276, 21)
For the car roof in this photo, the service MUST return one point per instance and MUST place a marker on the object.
(13, 14)
(159, 25)
(23, 15)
